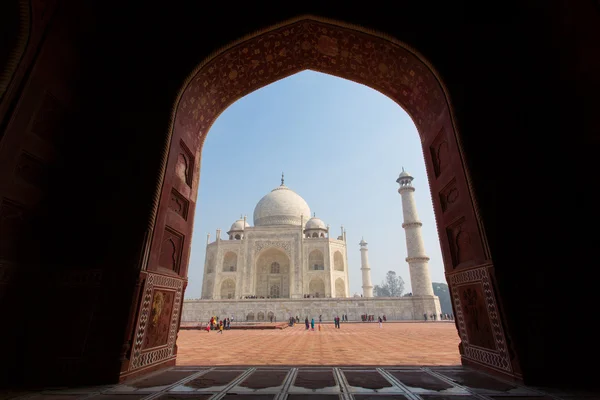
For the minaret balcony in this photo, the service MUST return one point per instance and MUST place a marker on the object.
(417, 259)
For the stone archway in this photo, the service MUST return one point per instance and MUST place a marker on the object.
(272, 274)
(383, 64)
(227, 289)
(338, 261)
(316, 287)
(230, 262)
(316, 260)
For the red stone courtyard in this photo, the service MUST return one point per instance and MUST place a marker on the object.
(397, 343)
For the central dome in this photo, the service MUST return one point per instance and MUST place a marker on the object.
(282, 206)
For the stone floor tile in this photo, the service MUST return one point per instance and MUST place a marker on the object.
(195, 396)
(264, 379)
(162, 380)
(212, 379)
(315, 380)
(447, 397)
(482, 383)
(420, 380)
(117, 396)
(61, 396)
(521, 397)
(366, 380)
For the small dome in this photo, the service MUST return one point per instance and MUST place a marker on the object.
(404, 175)
(315, 223)
(282, 206)
(239, 225)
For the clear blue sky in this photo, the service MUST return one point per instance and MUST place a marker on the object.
(341, 146)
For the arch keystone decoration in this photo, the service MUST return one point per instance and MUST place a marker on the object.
(366, 57)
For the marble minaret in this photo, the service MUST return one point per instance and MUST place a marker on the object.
(417, 259)
(366, 270)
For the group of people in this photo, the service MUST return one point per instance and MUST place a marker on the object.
(443, 316)
(311, 324)
(336, 321)
(218, 325)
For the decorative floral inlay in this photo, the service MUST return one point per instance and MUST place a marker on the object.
(308, 44)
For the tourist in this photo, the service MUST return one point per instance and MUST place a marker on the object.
(425, 316)
(306, 322)
(384, 318)
(312, 324)
(221, 326)
(380, 321)
(208, 326)
(320, 320)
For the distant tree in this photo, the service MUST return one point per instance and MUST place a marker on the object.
(441, 291)
(392, 286)
(381, 291)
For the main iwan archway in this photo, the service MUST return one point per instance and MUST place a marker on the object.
(349, 52)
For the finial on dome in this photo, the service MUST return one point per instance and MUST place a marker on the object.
(314, 214)
(282, 179)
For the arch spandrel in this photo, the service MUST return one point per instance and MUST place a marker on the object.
(309, 44)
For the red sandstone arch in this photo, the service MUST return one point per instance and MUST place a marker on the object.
(353, 53)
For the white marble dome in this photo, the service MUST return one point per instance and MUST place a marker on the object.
(282, 206)
(315, 223)
(239, 225)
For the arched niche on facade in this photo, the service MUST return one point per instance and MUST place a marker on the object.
(230, 262)
(338, 261)
(228, 289)
(273, 274)
(316, 287)
(316, 260)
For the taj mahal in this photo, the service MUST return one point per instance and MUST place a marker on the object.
(288, 263)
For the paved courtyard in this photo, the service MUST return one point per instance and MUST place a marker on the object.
(406, 343)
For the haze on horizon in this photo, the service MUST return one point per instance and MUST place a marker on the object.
(341, 146)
